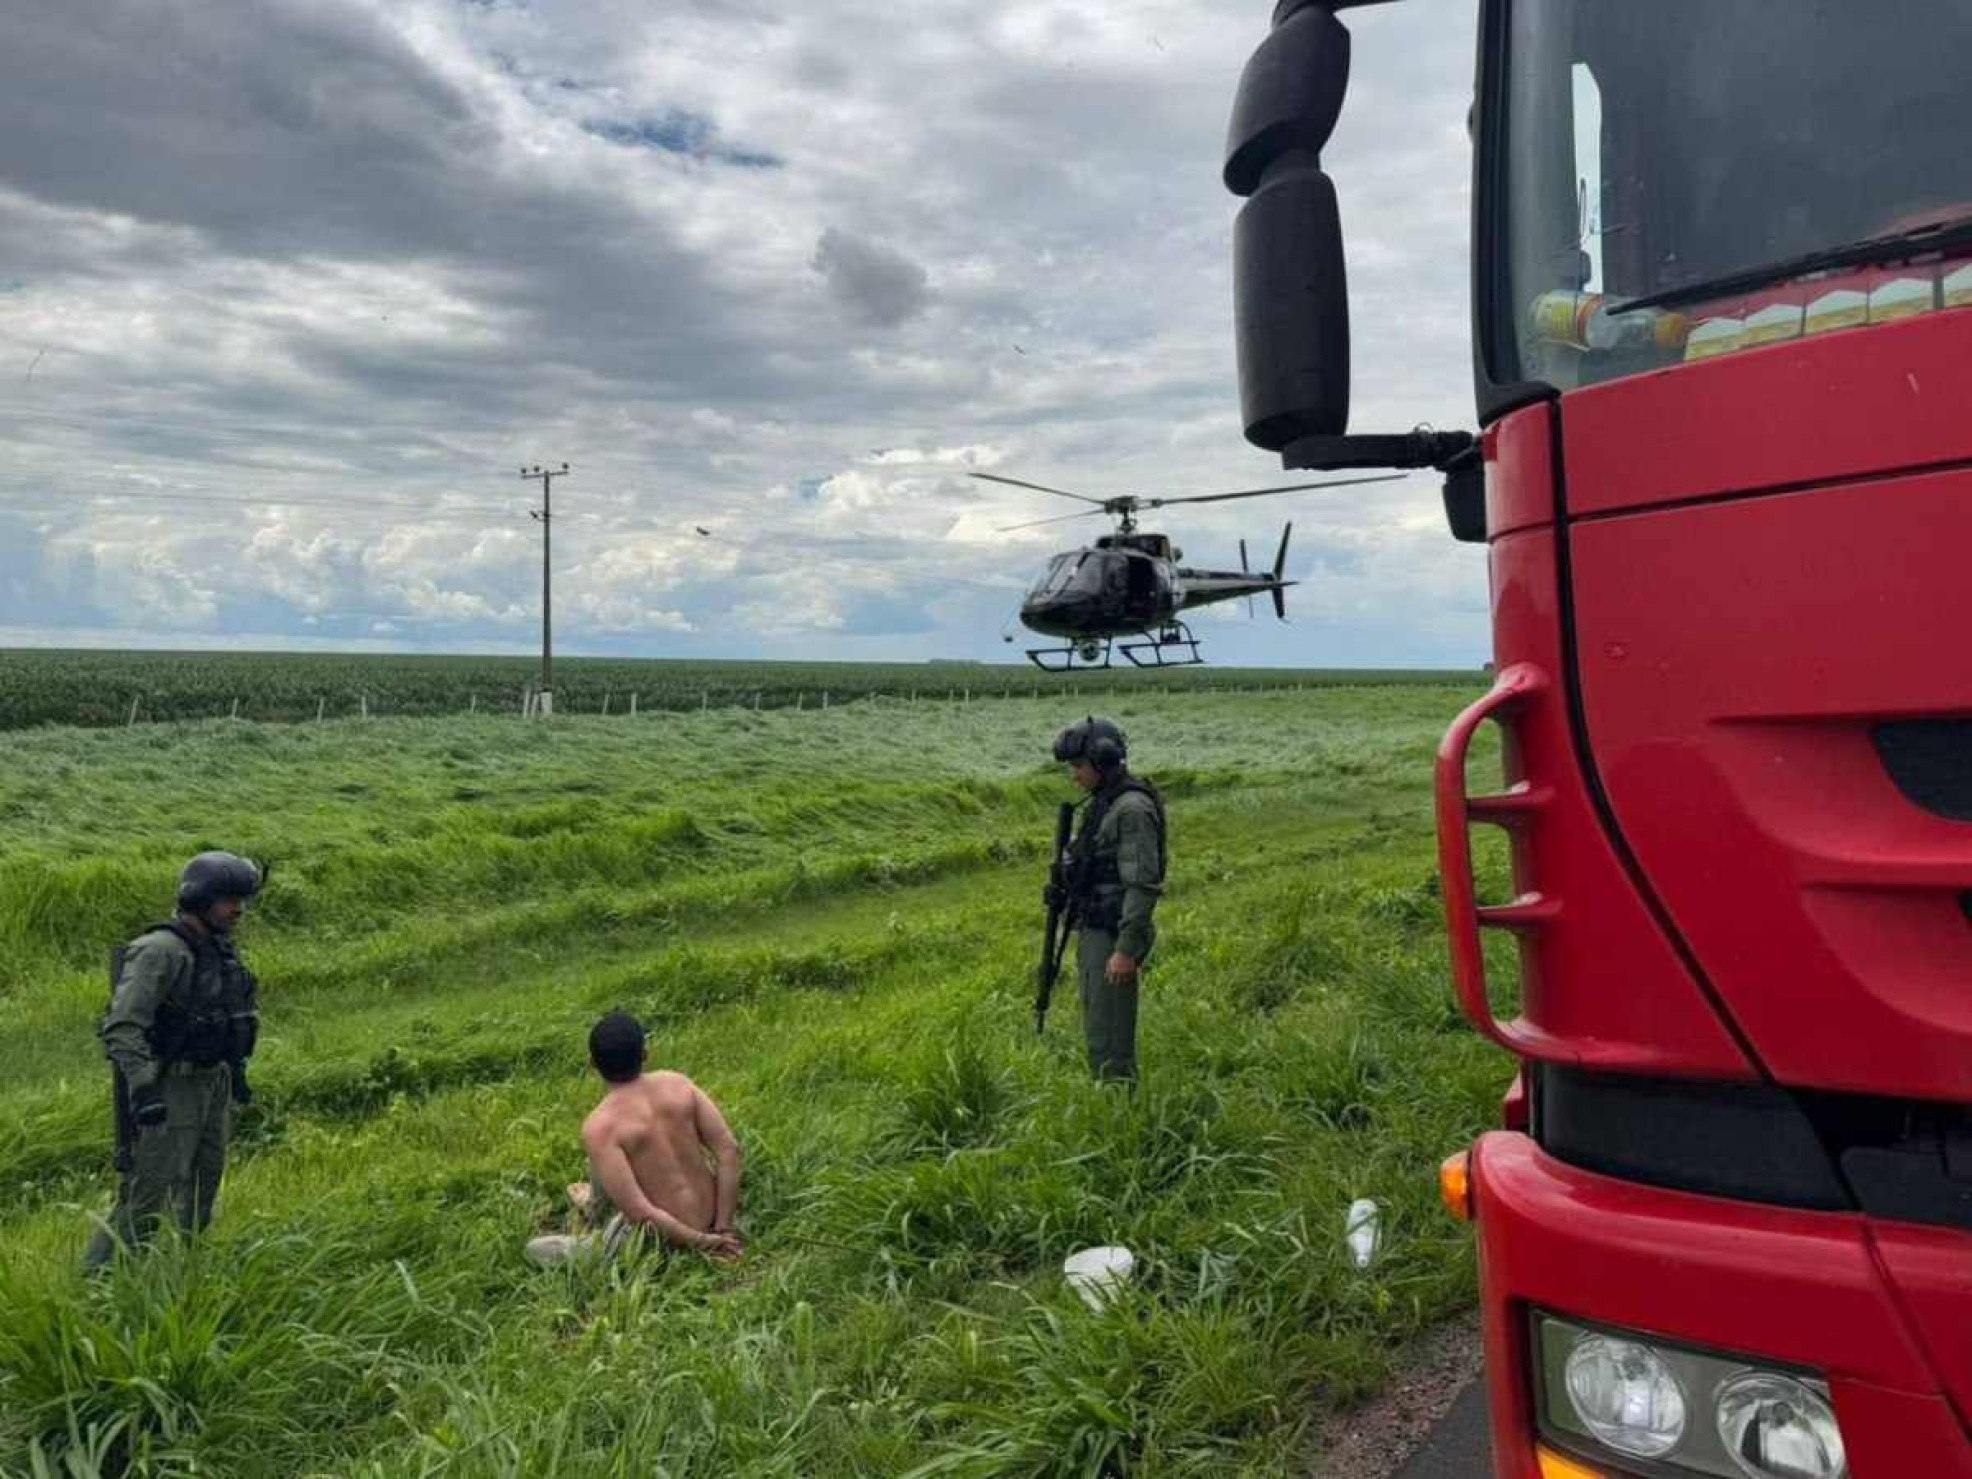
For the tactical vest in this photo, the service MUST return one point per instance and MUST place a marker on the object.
(1097, 880)
(214, 1015)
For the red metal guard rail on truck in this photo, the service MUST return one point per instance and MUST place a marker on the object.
(1722, 296)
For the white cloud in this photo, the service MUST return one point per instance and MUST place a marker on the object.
(145, 583)
(966, 457)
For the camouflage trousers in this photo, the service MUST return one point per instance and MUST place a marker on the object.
(1109, 1013)
(175, 1165)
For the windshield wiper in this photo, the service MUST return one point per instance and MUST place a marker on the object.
(1933, 236)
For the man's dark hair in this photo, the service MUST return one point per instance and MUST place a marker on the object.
(616, 1047)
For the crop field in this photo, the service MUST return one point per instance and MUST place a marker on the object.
(39, 687)
(829, 919)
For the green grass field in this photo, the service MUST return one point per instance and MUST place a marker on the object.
(829, 919)
(99, 688)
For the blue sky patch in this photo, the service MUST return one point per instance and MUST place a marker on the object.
(677, 131)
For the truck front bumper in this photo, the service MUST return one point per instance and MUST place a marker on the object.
(1800, 1288)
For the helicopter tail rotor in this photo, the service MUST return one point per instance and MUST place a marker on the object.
(1245, 569)
(1279, 591)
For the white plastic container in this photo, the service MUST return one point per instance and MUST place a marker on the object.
(1362, 1231)
(1099, 1274)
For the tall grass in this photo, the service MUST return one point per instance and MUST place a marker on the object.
(835, 938)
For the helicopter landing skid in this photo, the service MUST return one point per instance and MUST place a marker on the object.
(1172, 646)
(1075, 658)
(1175, 640)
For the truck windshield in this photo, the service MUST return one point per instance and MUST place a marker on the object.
(1694, 152)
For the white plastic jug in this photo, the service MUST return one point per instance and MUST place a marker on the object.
(1099, 1274)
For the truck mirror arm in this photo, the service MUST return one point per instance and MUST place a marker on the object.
(1453, 453)
(1420, 448)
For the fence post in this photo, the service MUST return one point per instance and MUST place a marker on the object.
(825, 698)
(633, 705)
(799, 697)
(133, 712)
(321, 707)
(236, 708)
(364, 699)
(607, 695)
(473, 708)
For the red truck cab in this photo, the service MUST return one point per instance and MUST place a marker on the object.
(1721, 255)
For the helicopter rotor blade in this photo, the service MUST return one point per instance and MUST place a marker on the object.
(1279, 591)
(1389, 477)
(1088, 513)
(993, 477)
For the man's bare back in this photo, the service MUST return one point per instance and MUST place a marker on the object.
(665, 1156)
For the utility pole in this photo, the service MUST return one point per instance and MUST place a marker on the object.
(544, 516)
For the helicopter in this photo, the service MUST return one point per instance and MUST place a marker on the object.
(1124, 592)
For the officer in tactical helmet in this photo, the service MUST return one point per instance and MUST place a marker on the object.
(182, 1022)
(1116, 873)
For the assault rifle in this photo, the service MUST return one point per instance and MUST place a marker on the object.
(1059, 897)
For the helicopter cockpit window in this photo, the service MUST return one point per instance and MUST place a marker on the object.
(1081, 572)
(1055, 579)
(1100, 575)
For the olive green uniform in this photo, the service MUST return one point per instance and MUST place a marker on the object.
(1127, 875)
(183, 1019)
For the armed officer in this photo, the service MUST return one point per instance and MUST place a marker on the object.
(182, 1022)
(1116, 873)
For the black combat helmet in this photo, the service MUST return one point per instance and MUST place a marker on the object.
(212, 876)
(1097, 741)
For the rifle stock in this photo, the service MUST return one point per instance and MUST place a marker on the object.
(1054, 942)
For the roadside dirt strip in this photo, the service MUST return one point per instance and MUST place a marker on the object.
(1418, 1428)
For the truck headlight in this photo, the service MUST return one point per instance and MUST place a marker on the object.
(1625, 1395)
(1774, 1427)
(1608, 1395)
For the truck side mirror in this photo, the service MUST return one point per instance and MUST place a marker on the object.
(1290, 288)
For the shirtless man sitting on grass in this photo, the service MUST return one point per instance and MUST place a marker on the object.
(662, 1153)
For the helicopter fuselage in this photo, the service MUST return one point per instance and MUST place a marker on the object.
(1109, 589)
(1128, 583)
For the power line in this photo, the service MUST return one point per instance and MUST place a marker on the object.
(108, 417)
(158, 495)
(98, 418)
(100, 486)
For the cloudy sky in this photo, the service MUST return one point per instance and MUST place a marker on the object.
(290, 290)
